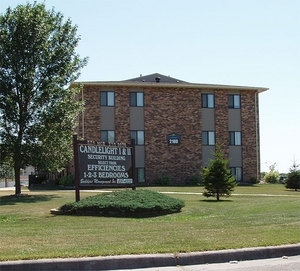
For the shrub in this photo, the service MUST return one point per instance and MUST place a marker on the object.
(293, 178)
(273, 175)
(126, 203)
(67, 180)
(194, 180)
(253, 180)
(164, 180)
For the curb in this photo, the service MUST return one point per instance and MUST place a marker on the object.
(151, 260)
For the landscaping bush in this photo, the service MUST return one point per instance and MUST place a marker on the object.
(67, 180)
(164, 180)
(273, 175)
(194, 180)
(126, 203)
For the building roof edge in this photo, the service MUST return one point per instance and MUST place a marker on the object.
(168, 85)
(158, 80)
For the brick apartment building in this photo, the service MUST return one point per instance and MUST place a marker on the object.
(176, 125)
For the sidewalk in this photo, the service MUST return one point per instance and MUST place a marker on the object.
(151, 260)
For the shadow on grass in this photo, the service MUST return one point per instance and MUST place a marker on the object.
(120, 214)
(216, 201)
(25, 198)
(49, 187)
(292, 190)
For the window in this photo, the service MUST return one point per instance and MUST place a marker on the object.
(208, 138)
(235, 138)
(136, 99)
(234, 101)
(138, 137)
(107, 136)
(107, 98)
(208, 100)
(237, 173)
(140, 175)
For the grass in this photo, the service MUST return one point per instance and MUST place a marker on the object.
(248, 218)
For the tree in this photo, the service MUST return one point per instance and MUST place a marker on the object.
(217, 178)
(38, 109)
(273, 175)
(293, 177)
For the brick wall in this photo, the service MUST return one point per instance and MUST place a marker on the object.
(250, 152)
(177, 111)
(221, 119)
(172, 111)
(91, 95)
(122, 115)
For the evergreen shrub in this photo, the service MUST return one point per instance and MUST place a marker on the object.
(125, 203)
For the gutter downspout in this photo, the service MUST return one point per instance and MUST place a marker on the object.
(257, 137)
(82, 115)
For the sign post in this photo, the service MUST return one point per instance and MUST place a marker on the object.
(98, 164)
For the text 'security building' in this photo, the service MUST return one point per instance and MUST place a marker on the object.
(176, 125)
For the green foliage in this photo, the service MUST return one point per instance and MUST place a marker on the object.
(273, 175)
(293, 178)
(253, 180)
(194, 180)
(126, 203)
(164, 180)
(67, 180)
(217, 178)
(6, 171)
(38, 61)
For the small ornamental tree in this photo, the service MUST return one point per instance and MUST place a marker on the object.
(293, 178)
(217, 178)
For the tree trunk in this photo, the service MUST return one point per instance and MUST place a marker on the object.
(18, 158)
(17, 181)
(17, 169)
(218, 196)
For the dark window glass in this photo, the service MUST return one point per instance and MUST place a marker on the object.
(107, 136)
(208, 138)
(136, 99)
(237, 173)
(140, 175)
(138, 137)
(107, 98)
(235, 138)
(234, 101)
(208, 100)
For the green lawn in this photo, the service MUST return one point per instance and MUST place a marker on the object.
(257, 215)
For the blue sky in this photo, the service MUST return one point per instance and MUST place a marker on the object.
(232, 42)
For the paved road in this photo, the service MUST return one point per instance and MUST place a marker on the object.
(275, 264)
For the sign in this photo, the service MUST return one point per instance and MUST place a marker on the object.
(103, 165)
(173, 139)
